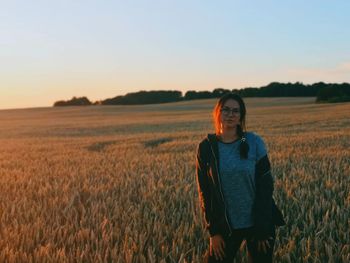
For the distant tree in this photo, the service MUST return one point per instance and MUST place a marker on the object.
(274, 89)
(323, 92)
(191, 95)
(145, 97)
(82, 101)
(249, 92)
(334, 93)
(113, 101)
(217, 93)
(298, 89)
(237, 91)
(319, 85)
(59, 103)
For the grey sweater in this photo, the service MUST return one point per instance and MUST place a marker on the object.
(238, 179)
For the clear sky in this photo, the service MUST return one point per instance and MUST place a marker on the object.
(54, 50)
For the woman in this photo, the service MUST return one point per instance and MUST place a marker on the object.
(235, 187)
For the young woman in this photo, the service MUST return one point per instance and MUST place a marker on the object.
(235, 187)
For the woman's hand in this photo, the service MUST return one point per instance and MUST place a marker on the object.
(217, 245)
(262, 245)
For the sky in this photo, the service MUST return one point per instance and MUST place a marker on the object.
(54, 50)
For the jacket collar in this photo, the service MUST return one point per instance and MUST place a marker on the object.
(213, 142)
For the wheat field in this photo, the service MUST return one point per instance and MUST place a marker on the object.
(117, 183)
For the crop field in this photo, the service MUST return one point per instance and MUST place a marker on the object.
(117, 183)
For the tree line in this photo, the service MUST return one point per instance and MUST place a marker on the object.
(323, 92)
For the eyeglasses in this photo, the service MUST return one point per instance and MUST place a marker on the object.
(226, 111)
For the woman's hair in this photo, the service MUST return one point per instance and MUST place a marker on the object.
(241, 128)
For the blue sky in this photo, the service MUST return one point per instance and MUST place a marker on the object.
(53, 50)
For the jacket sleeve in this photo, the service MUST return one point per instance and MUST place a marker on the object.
(204, 191)
(263, 198)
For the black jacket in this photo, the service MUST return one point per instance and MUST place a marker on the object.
(212, 200)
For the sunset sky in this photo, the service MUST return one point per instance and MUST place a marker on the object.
(54, 50)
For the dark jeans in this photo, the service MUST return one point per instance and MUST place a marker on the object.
(234, 241)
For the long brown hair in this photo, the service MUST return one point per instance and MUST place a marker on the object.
(241, 128)
(217, 112)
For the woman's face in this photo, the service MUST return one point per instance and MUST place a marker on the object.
(230, 114)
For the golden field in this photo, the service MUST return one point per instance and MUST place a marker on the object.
(117, 183)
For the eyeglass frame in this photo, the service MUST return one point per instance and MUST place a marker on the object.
(226, 111)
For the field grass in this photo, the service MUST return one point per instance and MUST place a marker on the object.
(117, 183)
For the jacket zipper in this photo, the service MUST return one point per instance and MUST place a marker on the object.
(217, 170)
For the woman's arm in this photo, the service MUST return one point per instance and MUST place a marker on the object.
(203, 188)
(263, 199)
